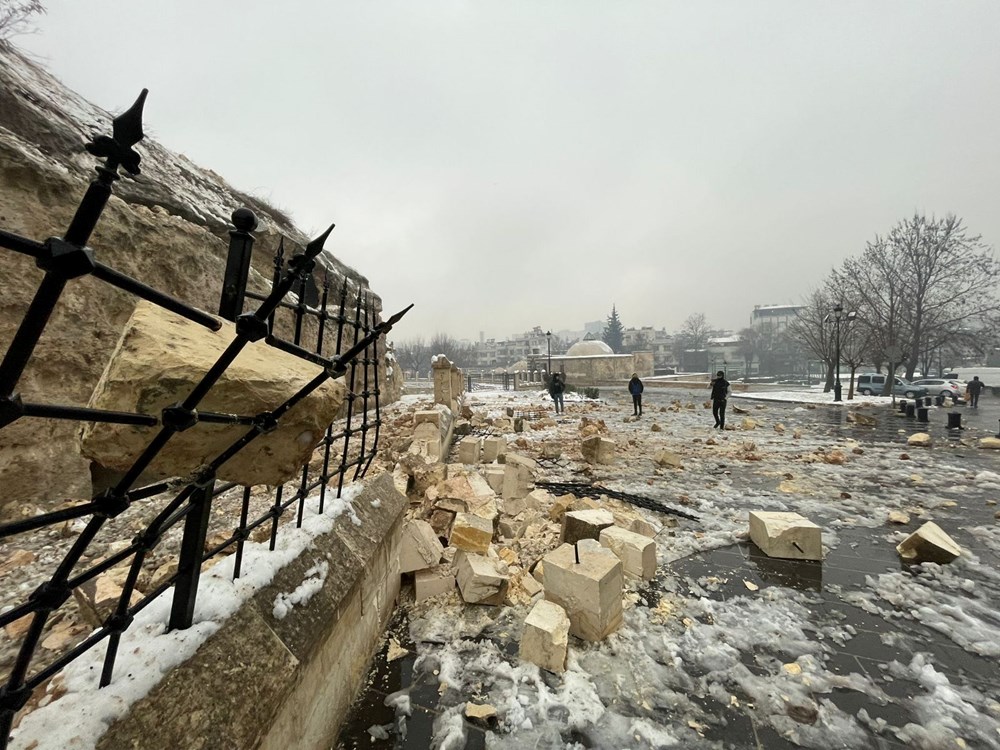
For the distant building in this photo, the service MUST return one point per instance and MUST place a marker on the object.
(774, 317)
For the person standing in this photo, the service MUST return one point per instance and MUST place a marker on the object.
(973, 388)
(556, 389)
(720, 391)
(635, 388)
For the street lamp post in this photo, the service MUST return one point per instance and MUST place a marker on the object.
(837, 311)
(548, 345)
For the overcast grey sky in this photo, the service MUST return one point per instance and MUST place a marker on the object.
(510, 164)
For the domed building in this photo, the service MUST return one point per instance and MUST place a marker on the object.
(595, 363)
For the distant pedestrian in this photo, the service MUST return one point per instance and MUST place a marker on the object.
(972, 389)
(720, 392)
(556, 389)
(635, 388)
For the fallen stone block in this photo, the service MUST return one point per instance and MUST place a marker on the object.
(471, 533)
(598, 450)
(920, 439)
(786, 535)
(469, 450)
(545, 640)
(518, 480)
(441, 520)
(668, 459)
(419, 546)
(559, 506)
(590, 590)
(642, 526)
(637, 552)
(929, 543)
(98, 597)
(479, 580)
(494, 478)
(433, 581)
(748, 424)
(493, 448)
(584, 524)
(512, 528)
(990, 443)
(431, 416)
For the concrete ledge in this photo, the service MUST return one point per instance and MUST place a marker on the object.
(261, 682)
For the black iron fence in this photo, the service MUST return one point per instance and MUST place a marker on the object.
(335, 329)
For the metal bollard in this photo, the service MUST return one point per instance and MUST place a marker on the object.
(939, 400)
(929, 401)
(922, 414)
(902, 405)
(954, 420)
(911, 410)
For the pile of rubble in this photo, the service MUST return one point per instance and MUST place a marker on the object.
(479, 529)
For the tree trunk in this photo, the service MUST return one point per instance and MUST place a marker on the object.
(850, 387)
(828, 385)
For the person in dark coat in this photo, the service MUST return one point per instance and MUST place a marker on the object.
(635, 388)
(973, 388)
(720, 391)
(556, 389)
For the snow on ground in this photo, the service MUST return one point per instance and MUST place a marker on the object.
(147, 651)
(727, 648)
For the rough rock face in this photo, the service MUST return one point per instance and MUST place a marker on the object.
(259, 380)
(167, 227)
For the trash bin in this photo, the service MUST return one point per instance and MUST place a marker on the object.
(954, 420)
(911, 410)
(939, 400)
(902, 406)
(922, 414)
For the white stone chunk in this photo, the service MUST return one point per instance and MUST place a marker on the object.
(419, 547)
(545, 640)
(517, 480)
(637, 552)
(598, 450)
(433, 416)
(493, 448)
(469, 449)
(494, 477)
(433, 581)
(480, 581)
(929, 543)
(585, 524)
(642, 526)
(786, 535)
(590, 591)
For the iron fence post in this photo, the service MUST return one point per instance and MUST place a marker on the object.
(234, 283)
(189, 564)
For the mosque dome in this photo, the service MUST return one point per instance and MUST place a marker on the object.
(589, 349)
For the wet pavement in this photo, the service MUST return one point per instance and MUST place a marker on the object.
(728, 648)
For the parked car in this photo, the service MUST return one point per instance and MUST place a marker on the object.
(946, 387)
(871, 384)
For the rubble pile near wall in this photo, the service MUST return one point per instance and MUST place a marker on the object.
(564, 560)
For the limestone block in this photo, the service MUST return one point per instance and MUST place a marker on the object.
(584, 524)
(493, 448)
(441, 521)
(487, 510)
(443, 392)
(929, 543)
(920, 439)
(642, 526)
(427, 431)
(433, 581)
(590, 591)
(471, 533)
(512, 528)
(539, 499)
(419, 547)
(469, 450)
(470, 488)
(432, 416)
(480, 581)
(668, 459)
(559, 506)
(530, 584)
(259, 380)
(598, 450)
(991, 443)
(494, 477)
(517, 480)
(520, 459)
(545, 640)
(637, 552)
(98, 597)
(429, 448)
(786, 535)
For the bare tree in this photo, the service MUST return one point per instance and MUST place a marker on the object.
(811, 329)
(457, 352)
(950, 279)
(748, 349)
(413, 355)
(692, 336)
(16, 17)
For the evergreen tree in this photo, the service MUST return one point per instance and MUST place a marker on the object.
(612, 335)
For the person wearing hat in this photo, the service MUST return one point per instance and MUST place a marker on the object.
(720, 390)
(635, 388)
